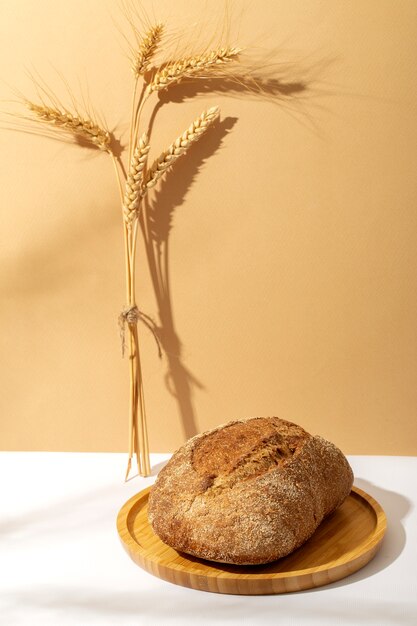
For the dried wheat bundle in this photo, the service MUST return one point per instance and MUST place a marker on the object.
(133, 186)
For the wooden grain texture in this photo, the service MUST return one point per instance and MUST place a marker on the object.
(346, 541)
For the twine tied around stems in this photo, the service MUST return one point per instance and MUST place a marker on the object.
(131, 316)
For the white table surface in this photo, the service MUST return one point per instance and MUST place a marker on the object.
(61, 561)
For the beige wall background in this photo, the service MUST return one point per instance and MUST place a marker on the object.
(292, 251)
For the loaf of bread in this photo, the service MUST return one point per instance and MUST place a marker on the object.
(248, 492)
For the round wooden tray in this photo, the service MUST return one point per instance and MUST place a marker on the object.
(346, 541)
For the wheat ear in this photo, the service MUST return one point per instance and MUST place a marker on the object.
(179, 147)
(210, 63)
(147, 49)
(134, 180)
(74, 124)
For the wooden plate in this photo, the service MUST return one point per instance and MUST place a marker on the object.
(346, 541)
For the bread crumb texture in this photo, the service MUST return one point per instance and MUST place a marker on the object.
(248, 492)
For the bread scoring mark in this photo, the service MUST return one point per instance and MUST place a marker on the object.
(243, 451)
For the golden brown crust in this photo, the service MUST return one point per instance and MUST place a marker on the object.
(248, 492)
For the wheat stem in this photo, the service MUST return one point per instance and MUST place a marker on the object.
(138, 440)
(119, 181)
(138, 114)
(133, 275)
(143, 430)
(132, 118)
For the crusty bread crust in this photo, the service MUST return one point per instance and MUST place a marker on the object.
(248, 492)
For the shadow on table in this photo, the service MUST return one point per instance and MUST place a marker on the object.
(168, 604)
(396, 507)
(95, 505)
(110, 605)
(155, 469)
(144, 602)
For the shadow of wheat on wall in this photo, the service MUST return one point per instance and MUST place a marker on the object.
(157, 221)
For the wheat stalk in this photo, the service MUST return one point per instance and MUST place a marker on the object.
(179, 147)
(134, 180)
(133, 186)
(74, 124)
(147, 49)
(211, 63)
